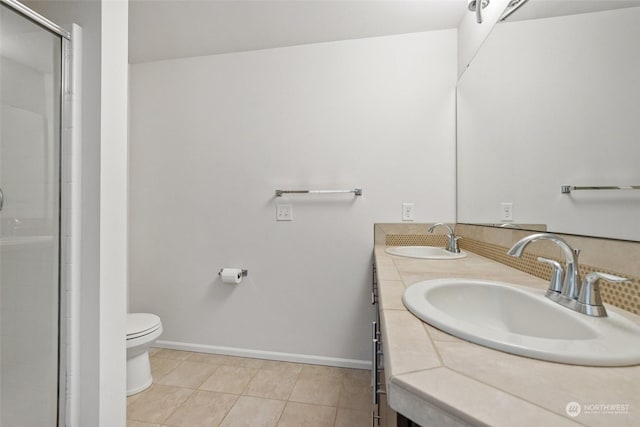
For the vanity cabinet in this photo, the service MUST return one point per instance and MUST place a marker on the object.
(381, 412)
(382, 415)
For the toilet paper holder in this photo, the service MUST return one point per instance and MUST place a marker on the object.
(244, 272)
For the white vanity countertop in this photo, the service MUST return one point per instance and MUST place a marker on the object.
(435, 378)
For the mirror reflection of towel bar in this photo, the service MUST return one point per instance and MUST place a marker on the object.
(356, 191)
(566, 189)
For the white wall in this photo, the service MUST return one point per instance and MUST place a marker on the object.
(552, 102)
(212, 137)
(113, 213)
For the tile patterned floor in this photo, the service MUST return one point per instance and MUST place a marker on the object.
(207, 390)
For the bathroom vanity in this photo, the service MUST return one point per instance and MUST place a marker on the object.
(434, 378)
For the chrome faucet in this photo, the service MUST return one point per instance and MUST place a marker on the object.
(571, 282)
(452, 239)
(584, 299)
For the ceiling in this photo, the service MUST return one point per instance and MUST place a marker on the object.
(166, 29)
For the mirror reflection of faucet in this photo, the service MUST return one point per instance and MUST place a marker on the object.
(583, 298)
(510, 225)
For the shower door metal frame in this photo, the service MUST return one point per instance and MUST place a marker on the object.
(65, 142)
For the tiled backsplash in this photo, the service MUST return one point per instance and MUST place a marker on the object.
(621, 258)
(416, 240)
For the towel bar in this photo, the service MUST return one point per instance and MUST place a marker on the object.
(566, 189)
(356, 191)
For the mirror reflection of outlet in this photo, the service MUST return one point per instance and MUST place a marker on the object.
(506, 211)
(284, 213)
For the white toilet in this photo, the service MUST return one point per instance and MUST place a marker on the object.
(142, 330)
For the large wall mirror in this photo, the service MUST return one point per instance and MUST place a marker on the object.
(551, 99)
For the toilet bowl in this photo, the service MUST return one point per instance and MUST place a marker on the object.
(142, 330)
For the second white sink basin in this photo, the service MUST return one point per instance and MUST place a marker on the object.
(523, 321)
(424, 252)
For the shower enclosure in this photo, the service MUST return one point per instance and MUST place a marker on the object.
(33, 76)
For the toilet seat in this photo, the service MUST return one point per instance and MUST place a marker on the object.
(141, 324)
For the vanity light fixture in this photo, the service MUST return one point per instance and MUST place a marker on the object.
(473, 7)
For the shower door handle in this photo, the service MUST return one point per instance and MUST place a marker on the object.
(1, 199)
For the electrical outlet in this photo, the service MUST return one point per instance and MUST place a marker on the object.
(284, 213)
(506, 211)
(407, 211)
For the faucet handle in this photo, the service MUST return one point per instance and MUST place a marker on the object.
(589, 300)
(557, 274)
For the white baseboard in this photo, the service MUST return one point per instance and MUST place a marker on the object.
(268, 355)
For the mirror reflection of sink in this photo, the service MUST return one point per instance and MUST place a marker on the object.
(423, 252)
(522, 321)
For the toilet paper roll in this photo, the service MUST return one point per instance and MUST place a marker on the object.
(231, 275)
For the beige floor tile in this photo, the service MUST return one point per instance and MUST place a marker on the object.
(157, 403)
(188, 375)
(317, 390)
(272, 384)
(254, 412)
(153, 350)
(305, 415)
(134, 397)
(202, 409)
(161, 366)
(275, 365)
(319, 396)
(172, 354)
(214, 359)
(353, 418)
(322, 371)
(357, 377)
(229, 379)
(244, 362)
(131, 423)
(221, 359)
(356, 396)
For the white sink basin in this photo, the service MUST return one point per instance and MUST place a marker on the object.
(424, 252)
(523, 321)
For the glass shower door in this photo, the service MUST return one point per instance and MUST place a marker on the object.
(30, 103)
